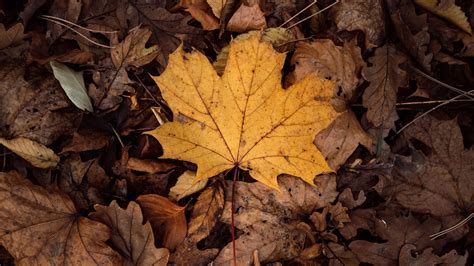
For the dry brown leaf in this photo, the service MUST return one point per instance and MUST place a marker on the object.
(186, 185)
(166, 218)
(86, 140)
(364, 15)
(132, 50)
(11, 36)
(269, 218)
(448, 10)
(412, 30)
(35, 153)
(130, 236)
(385, 77)
(339, 140)
(439, 183)
(341, 64)
(201, 11)
(247, 18)
(244, 118)
(40, 227)
(149, 165)
(216, 6)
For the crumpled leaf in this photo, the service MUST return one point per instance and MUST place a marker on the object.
(448, 10)
(385, 77)
(72, 83)
(40, 227)
(364, 15)
(439, 183)
(244, 118)
(11, 36)
(402, 234)
(269, 218)
(130, 236)
(132, 50)
(327, 60)
(186, 185)
(35, 153)
(166, 218)
(247, 18)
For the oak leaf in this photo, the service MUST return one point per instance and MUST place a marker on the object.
(132, 50)
(244, 118)
(39, 227)
(130, 236)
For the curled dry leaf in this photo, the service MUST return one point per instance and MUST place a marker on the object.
(149, 165)
(244, 118)
(269, 218)
(339, 140)
(202, 12)
(132, 50)
(35, 153)
(385, 77)
(247, 18)
(39, 227)
(130, 236)
(11, 36)
(322, 57)
(449, 10)
(186, 185)
(364, 15)
(166, 218)
(439, 183)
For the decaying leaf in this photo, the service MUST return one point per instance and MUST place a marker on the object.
(385, 77)
(364, 15)
(247, 18)
(186, 185)
(166, 218)
(244, 119)
(448, 10)
(269, 218)
(72, 83)
(35, 153)
(439, 183)
(11, 36)
(327, 60)
(132, 50)
(130, 236)
(39, 227)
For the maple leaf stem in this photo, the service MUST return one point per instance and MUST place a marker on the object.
(234, 180)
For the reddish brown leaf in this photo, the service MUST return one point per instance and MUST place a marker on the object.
(247, 18)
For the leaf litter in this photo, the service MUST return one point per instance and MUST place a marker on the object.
(354, 117)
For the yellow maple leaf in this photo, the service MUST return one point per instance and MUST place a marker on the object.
(244, 118)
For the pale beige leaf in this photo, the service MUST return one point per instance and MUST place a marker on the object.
(217, 6)
(186, 185)
(132, 50)
(11, 36)
(35, 153)
(130, 236)
(247, 18)
(40, 227)
(448, 10)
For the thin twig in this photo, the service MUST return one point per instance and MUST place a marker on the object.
(315, 14)
(471, 92)
(440, 82)
(234, 181)
(452, 228)
(297, 14)
(72, 24)
(80, 34)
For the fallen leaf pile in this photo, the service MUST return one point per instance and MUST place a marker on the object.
(198, 132)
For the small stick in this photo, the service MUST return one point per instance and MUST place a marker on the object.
(315, 14)
(297, 14)
(234, 180)
(452, 228)
(77, 25)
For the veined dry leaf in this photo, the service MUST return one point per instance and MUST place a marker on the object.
(364, 15)
(11, 36)
(130, 236)
(35, 153)
(166, 218)
(245, 118)
(72, 83)
(269, 218)
(340, 139)
(448, 10)
(186, 185)
(247, 18)
(439, 183)
(385, 76)
(39, 227)
(132, 50)
(327, 60)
